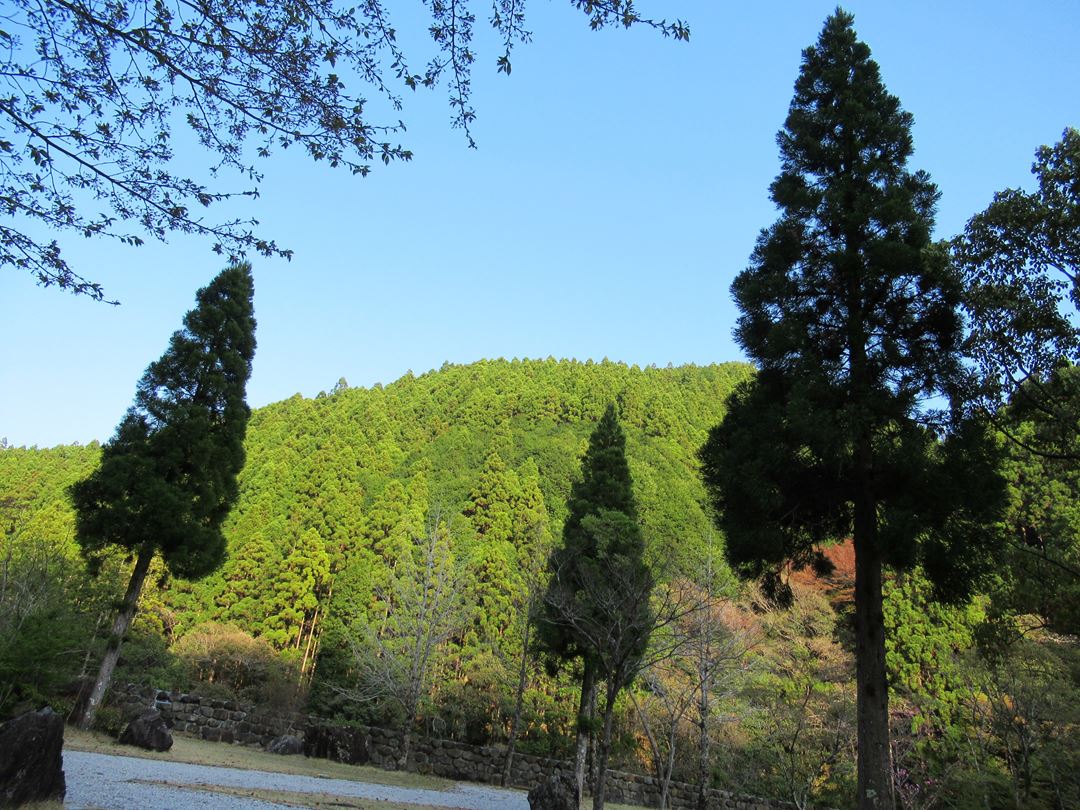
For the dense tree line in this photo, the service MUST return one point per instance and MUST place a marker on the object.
(336, 488)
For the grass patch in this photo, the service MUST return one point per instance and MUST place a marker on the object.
(330, 801)
(201, 752)
(317, 801)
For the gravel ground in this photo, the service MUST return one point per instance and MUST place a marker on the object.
(117, 783)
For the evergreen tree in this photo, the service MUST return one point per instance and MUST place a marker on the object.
(597, 603)
(851, 316)
(492, 558)
(168, 477)
(247, 584)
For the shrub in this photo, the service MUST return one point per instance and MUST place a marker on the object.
(223, 659)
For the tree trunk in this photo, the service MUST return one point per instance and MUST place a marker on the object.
(519, 706)
(669, 769)
(874, 784)
(406, 745)
(703, 733)
(120, 628)
(316, 638)
(412, 706)
(584, 724)
(654, 749)
(874, 769)
(309, 648)
(600, 784)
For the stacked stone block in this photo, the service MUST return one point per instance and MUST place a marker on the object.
(210, 719)
(229, 721)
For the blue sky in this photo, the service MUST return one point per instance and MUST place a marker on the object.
(619, 185)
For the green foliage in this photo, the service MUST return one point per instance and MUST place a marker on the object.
(852, 315)
(598, 601)
(224, 661)
(168, 476)
(601, 545)
(1040, 573)
(853, 318)
(1020, 258)
(167, 479)
(355, 474)
(924, 642)
(48, 607)
(360, 469)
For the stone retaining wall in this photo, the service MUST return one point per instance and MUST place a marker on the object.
(230, 721)
(210, 719)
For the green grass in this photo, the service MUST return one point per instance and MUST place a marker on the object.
(316, 801)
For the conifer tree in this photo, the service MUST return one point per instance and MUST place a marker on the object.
(492, 556)
(168, 477)
(851, 315)
(596, 606)
(247, 584)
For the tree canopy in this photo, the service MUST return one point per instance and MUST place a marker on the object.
(1021, 264)
(169, 473)
(322, 543)
(103, 96)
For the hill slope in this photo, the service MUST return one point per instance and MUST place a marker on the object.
(335, 489)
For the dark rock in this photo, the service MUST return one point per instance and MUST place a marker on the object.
(148, 731)
(31, 758)
(210, 734)
(286, 744)
(558, 792)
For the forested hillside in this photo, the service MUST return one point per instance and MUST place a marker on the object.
(339, 490)
(413, 521)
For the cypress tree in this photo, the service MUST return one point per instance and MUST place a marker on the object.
(596, 606)
(168, 477)
(851, 314)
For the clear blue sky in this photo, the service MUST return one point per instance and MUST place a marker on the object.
(619, 185)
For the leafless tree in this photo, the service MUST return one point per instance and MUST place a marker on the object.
(526, 614)
(421, 608)
(712, 640)
(100, 100)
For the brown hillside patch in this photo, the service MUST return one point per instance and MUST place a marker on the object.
(839, 584)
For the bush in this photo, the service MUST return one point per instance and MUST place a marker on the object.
(225, 660)
(110, 720)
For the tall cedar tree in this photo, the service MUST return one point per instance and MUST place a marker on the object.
(851, 316)
(601, 554)
(168, 477)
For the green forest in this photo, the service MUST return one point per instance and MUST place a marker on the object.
(354, 502)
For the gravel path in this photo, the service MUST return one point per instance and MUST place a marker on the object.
(118, 783)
